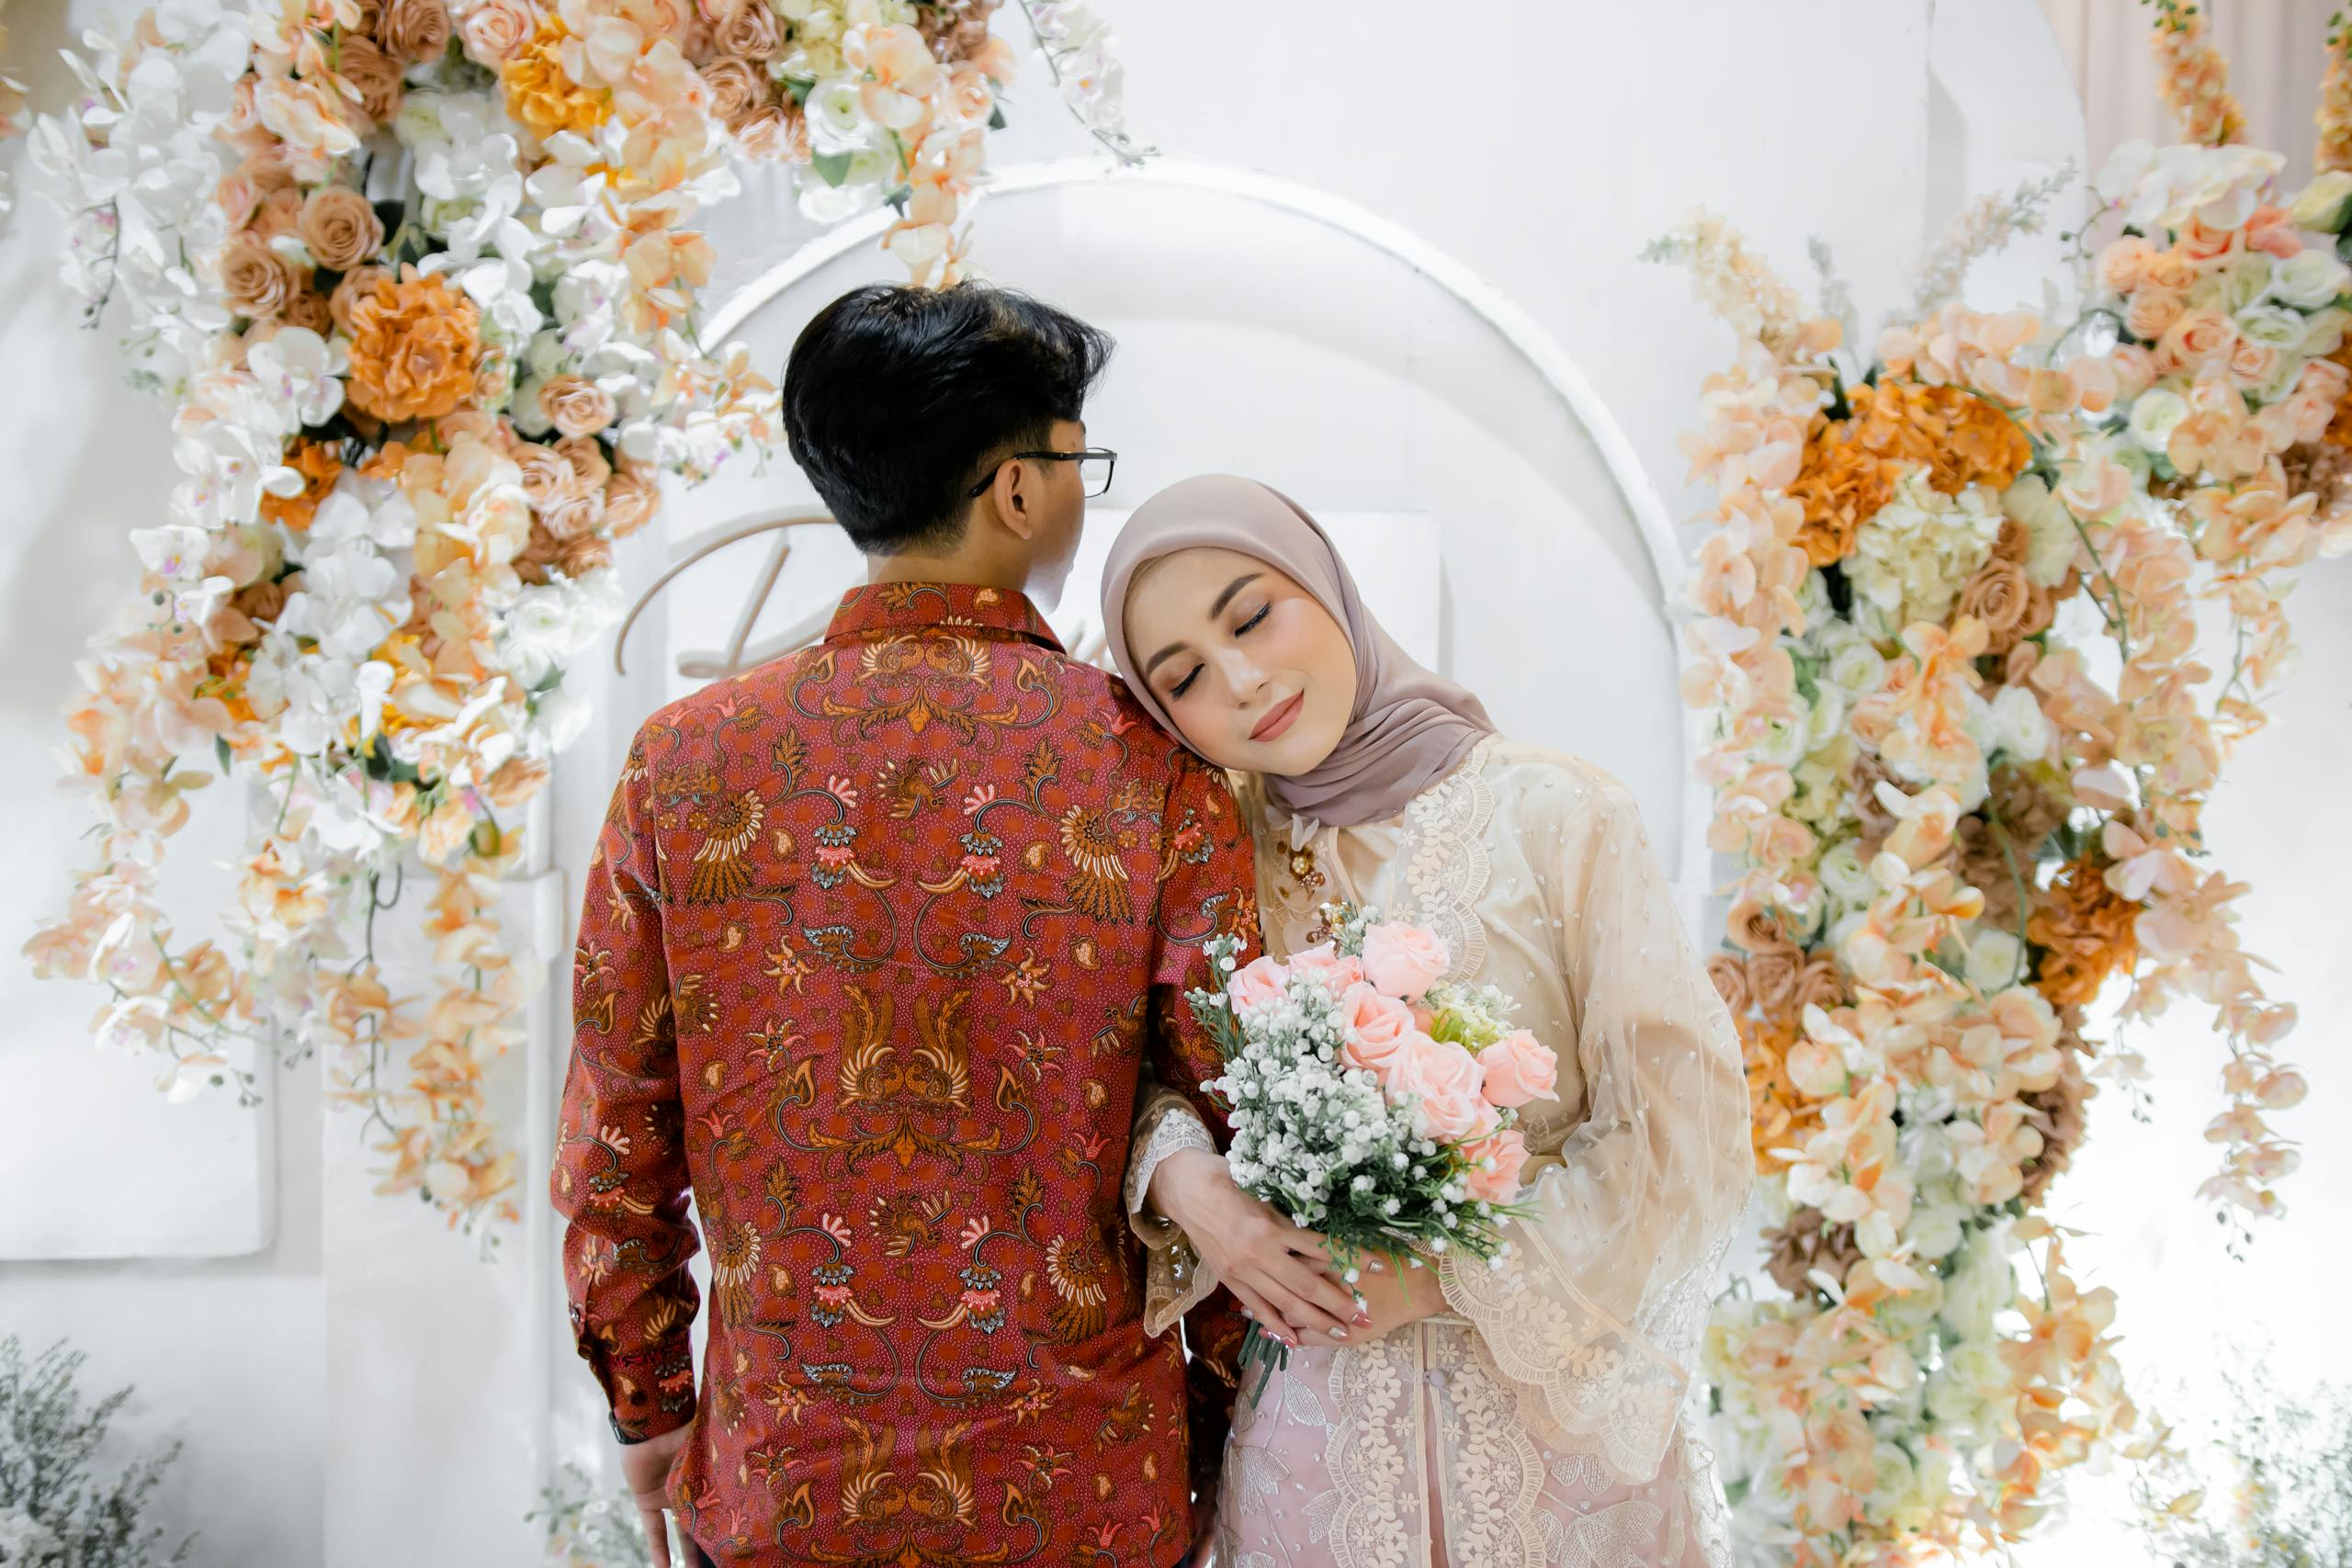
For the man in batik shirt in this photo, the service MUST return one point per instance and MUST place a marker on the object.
(876, 939)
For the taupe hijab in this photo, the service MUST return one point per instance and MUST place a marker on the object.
(1409, 727)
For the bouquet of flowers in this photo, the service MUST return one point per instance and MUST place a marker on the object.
(1371, 1100)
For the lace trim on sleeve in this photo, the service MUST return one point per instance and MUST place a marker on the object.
(1175, 1281)
(1445, 853)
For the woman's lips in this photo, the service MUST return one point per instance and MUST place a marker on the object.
(1284, 716)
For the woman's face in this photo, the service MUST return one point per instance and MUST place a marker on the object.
(1256, 673)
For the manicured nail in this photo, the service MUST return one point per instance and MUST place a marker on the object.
(1339, 1334)
(1363, 1320)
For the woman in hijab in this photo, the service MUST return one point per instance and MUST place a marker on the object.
(1522, 1415)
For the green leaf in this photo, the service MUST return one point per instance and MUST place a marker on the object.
(800, 87)
(996, 117)
(220, 749)
(831, 167)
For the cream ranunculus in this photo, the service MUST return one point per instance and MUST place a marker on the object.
(2018, 727)
(1856, 668)
(1843, 872)
(2323, 333)
(2273, 326)
(2245, 280)
(2325, 204)
(1995, 961)
(2155, 415)
(2312, 280)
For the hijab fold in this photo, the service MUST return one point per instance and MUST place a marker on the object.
(1409, 727)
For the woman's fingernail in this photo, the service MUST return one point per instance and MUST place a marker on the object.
(1339, 1334)
(1363, 1320)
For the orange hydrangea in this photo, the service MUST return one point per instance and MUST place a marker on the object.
(317, 463)
(2086, 928)
(1852, 466)
(539, 93)
(413, 344)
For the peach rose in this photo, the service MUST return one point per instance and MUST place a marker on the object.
(586, 459)
(1323, 961)
(493, 30)
(1375, 1029)
(1446, 1084)
(1256, 982)
(776, 133)
(2201, 242)
(238, 198)
(357, 284)
(574, 515)
(1773, 975)
(2199, 336)
(2169, 272)
(373, 74)
(2252, 364)
(584, 555)
(280, 213)
(751, 32)
(1518, 1068)
(339, 228)
(2152, 310)
(1508, 1151)
(630, 501)
(413, 31)
(1404, 961)
(736, 89)
(306, 307)
(254, 279)
(2120, 265)
(1730, 978)
(576, 405)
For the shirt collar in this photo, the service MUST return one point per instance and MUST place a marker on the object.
(880, 608)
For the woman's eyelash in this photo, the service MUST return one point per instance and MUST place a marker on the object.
(1254, 619)
(1185, 684)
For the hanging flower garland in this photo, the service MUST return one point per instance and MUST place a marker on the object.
(1953, 835)
(423, 277)
(2194, 79)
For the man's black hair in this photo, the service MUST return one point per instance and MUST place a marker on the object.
(898, 400)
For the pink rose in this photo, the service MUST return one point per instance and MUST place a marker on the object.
(1519, 1068)
(1446, 1081)
(1500, 1185)
(1376, 1028)
(1256, 983)
(1403, 960)
(1323, 961)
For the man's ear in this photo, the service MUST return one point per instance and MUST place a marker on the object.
(1009, 496)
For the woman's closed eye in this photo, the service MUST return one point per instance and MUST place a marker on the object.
(1184, 685)
(1243, 628)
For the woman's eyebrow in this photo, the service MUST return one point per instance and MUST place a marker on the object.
(1236, 586)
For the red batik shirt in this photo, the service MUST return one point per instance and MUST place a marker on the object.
(877, 939)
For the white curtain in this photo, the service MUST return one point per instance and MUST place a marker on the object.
(2276, 50)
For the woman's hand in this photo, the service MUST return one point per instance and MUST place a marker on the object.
(1394, 1297)
(1282, 1274)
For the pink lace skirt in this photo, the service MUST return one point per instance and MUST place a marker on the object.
(1407, 1453)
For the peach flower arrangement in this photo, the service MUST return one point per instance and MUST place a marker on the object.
(422, 276)
(1962, 728)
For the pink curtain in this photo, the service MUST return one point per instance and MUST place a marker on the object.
(2274, 48)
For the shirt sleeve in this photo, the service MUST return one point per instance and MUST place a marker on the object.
(1596, 1312)
(1207, 888)
(620, 1172)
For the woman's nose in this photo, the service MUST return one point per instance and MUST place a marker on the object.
(1241, 672)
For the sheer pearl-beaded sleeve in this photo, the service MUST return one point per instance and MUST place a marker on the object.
(1595, 1317)
(1175, 1280)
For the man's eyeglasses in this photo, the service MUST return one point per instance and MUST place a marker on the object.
(1095, 465)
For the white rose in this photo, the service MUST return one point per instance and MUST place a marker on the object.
(1980, 1365)
(1856, 668)
(2155, 414)
(540, 620)
(1936, 1231)
(2312, 279)
(2325, 204)
(837, 122)
(1953, 1401)
(2273, 326)
(1813, 600)
(1892, 1477)
(1926, 1149)
(1843, 872)
(1993, 963)
(2323, 334)
(1827, 719)
(2245, 279)
(1783, 744)
(2020, 727)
